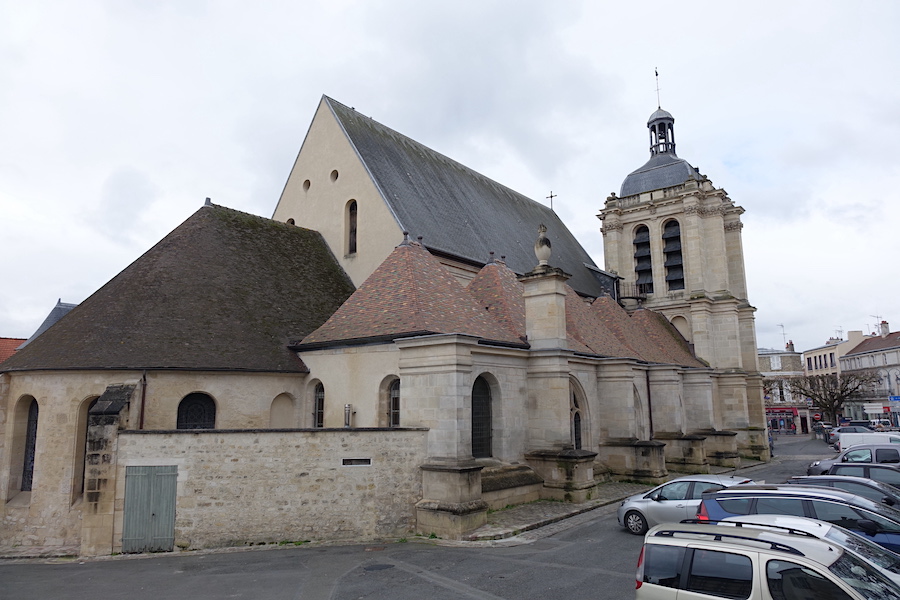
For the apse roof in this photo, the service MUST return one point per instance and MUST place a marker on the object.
(458, 211)
(225, 290)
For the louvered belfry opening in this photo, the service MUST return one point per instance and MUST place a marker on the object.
(674, 261)
(643, 263)
(481, 419)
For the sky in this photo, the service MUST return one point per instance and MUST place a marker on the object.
(118, 118)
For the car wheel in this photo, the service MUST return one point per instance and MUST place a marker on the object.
(635, 523)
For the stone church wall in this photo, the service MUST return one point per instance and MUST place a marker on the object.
(267, 486)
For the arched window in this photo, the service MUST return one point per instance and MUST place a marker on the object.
(575, 409)
(394, 410)
(281, 413)
(643, 266)
(81, 446)
(351, 227)
(481, 419)
(197, 411)
(672, 249)
(319, 406)
(30, 446)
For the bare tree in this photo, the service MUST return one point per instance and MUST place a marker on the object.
(830, 392)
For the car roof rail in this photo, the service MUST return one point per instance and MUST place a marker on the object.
(784, 528)
(717, 534)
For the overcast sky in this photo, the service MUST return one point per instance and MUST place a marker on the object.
(118, 118)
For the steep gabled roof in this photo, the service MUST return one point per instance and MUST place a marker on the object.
(225, 290)
(583, 325)
(666, 344)
(410, 293)
(497, 289)
(58, 312)
(458, 211)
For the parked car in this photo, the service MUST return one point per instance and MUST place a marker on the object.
(866, 453)
(878, 522)
(888, 474)
(859, 485)
(848, 439)
(670, 502)
(702, 561)
(885, 560)
(835, 434)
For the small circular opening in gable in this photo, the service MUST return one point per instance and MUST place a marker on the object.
(334, 175)
(306, 185)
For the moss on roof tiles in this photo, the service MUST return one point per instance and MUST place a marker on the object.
(225, 290)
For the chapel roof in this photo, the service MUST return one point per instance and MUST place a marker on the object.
(56, 313)
(409, 294)
(225, 290)
(460, 212)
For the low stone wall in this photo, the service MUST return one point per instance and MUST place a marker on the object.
(269, 486)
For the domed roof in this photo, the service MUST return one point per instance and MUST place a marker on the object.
(661, 171)
(660, 114)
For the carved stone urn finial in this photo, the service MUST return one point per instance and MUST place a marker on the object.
(542, 246)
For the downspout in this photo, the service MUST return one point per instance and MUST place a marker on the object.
(649, 402)
(143, 398)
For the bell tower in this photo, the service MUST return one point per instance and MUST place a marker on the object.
(675, 240)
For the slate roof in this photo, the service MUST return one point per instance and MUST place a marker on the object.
(58, 312)
(225, 290)
(409, 294)
(8, 347)
(876, 344)
(458, 211)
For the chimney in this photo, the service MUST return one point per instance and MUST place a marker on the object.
(789, 346)
(885, 329)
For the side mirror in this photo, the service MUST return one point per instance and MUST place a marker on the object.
(868, 526)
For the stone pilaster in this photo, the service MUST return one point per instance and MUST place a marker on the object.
(545, 307)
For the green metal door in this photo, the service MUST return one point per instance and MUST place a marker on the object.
(149, 509)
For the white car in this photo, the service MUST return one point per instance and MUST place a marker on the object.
(687, 560)
(672, 501)
(883, 559)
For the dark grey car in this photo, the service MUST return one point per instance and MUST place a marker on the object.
(859, 485)
(888, 474)
(863, 453)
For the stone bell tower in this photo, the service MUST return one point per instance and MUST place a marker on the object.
(675, 239)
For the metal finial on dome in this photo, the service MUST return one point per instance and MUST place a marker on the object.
(542, 246)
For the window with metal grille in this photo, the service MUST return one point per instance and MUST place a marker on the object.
(674, 262)
(30, 445)
(643, 265)
(319, 406)
(197, 411)
(576, 422)
(481, 419)
(394, 419)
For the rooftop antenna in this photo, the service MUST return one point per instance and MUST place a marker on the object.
(551, 197)
(784, 337)
(839, 332)
(656, 72)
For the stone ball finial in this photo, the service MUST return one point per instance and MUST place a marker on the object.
(542, 246)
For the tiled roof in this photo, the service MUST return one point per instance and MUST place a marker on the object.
(458, 211)
(667, 344)
(225, 290)
(498, 290)
(877, 343)
(584, 327)
(410, 293)
(8, 347)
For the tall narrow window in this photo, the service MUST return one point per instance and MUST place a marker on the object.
(351, 227)
(197, 411)
(576, 421)
(643, 267)
(672, 249)
(394, 418)
(319, 406)
(30, 446)
(481, 419)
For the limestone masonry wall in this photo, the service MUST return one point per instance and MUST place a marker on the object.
(252, 487)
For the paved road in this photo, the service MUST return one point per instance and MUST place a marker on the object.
(585, 557)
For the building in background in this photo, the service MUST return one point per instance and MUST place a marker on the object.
(879, 353)
(783, 411)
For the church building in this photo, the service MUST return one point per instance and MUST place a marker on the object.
(404, 345)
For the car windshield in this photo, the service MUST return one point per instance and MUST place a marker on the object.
(863, 578)
(868, 550)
